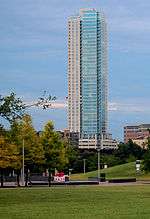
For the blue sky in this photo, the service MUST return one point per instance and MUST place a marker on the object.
(33, 55)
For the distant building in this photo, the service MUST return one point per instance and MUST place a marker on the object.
(72, 137)
(142, 142)
(137, 132)
(106, 143)
(87, 77)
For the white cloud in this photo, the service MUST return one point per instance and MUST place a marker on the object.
(112, 106)
(130, 107)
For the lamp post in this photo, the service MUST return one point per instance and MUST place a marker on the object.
(98, 164)
(23, 162)
(99, 145)
(84, 165)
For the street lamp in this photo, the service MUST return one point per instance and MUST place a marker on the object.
(99, 146)
(23, 162)
(98, 164)
(84, 165)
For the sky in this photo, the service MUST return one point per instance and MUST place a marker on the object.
(33, 56)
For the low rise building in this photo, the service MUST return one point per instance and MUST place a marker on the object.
(142, 142)
(137, 132)
(71, 137)
(106, 143)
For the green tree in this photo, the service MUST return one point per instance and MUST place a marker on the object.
(23, 131)
(72, 154)
(13, 110)
(129, 152)
(146, 160)
(11, 107)
(54, 148)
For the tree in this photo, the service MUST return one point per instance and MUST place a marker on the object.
(72, 154)
(11, 107)
(8, 155)
(129, 152)
(13, 110)
(54, 148)
(44, 101)
(146, 160)
(23, 130)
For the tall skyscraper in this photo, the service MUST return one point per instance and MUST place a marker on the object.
(87, 76)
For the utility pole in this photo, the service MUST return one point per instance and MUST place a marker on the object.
(99, 146)
(98, 157)
(23, 162)
(98, 164)
(84, 165)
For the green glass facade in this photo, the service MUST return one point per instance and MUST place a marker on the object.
(93, 74)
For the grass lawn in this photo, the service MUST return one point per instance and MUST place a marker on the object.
(76, 202)
(120, 171)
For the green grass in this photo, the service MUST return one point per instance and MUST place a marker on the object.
(120, 171)
(76, 202)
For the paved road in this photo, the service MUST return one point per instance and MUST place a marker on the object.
(141, 182)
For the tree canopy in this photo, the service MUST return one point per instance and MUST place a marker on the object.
(55, 151)
(146, 160)
(22, 131)
(11, 107)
